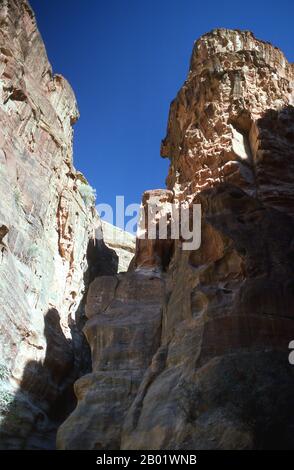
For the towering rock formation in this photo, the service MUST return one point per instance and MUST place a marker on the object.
(190, 348)
(47, 217)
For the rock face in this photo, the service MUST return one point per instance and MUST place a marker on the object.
(124, 330)
(47, 217)
(192, 352)
(123, 243)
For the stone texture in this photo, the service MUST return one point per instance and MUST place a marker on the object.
(232, 120)
(216, 375)
(123, 243)
(153, 247)
(47, 217)
(124, 331)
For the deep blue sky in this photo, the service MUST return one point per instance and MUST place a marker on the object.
(126, 60)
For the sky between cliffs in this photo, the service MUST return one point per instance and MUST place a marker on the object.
(126, 60)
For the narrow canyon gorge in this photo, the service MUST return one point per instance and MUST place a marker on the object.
(107, 342)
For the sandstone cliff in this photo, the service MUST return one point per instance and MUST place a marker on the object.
(190, 348)
(47, 217)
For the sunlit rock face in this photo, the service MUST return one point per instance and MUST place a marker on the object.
(122, 242)
(232, 121)
(47, 217)
(211, 370)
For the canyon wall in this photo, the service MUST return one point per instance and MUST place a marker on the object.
(190, 348)
(47, 219)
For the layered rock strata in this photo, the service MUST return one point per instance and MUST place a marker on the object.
(216, 373)
(47, 218)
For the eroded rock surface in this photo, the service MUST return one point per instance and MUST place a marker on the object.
(47, 217)
(218, 375)
(124, 331)
(122, 242)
